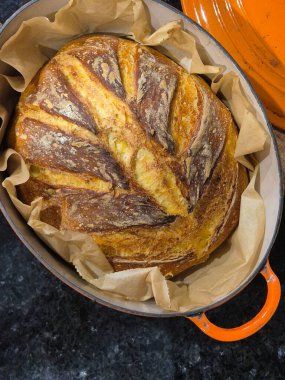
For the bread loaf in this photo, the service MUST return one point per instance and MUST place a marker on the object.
(125, 145)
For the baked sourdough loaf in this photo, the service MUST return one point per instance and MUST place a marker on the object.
(124, 145)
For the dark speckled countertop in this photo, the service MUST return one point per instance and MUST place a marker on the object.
(49, 332)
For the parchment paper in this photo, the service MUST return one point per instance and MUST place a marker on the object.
(36, 41)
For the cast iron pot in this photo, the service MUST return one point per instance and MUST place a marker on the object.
(270, 189)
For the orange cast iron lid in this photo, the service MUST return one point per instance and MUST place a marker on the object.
(253, 32)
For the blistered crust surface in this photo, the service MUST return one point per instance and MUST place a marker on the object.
(123, 144)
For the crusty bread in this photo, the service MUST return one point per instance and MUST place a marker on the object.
(123, 144)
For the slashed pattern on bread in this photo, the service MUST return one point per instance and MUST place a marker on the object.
(123, 144)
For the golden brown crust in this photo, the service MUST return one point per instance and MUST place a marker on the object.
(156, 82)
(122, 143)
(47, 147)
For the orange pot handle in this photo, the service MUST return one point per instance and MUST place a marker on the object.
(251, 327)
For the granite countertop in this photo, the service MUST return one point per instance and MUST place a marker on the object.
(50, 332)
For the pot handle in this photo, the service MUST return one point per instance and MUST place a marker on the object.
(251, 327)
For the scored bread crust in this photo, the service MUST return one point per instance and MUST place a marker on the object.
(123, 144)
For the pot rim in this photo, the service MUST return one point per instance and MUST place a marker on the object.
(280, 207)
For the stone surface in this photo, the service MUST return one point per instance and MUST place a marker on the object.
(49, 332)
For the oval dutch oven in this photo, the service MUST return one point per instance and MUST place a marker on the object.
(270, 189)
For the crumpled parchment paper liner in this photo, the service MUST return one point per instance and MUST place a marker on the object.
(252, 136)
(25, 51)
(34, 43)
